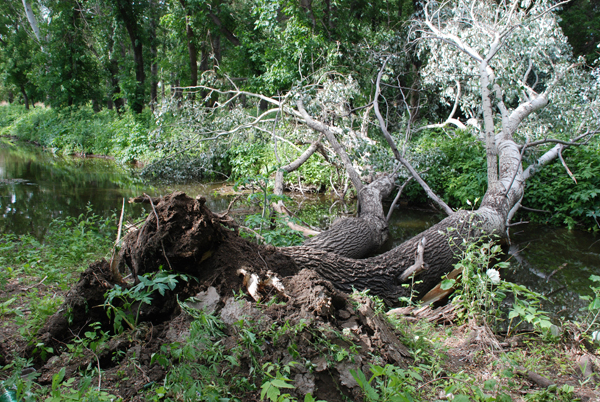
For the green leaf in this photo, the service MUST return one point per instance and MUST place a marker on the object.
(545, 324)
(415, 375)
(489, 385)
(447, 284)
(281, 384)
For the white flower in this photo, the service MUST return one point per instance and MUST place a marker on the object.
(494, 275)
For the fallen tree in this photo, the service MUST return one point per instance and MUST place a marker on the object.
(498, 30)
(183, 235)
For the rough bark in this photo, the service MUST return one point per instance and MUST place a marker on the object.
(381, 273)
(188, 234)
(361, 236)
(25, 97)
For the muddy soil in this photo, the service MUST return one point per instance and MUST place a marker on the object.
(182, 235)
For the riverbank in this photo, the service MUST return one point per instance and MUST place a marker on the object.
(225, 344)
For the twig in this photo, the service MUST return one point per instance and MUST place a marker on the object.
(263, 260)
(237, 197)
(562, 160)
(157, 230)
(165, 254)
(155, 213)
(258, 236)
(535, 210)
(555, 291)
(32, 286)
(113, 265)
(142, 371)
(395, 151)
(517, 223)
(391, 210)
(555, 271)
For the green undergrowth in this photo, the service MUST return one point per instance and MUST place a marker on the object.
(79, 130)
(564, 200)
(220, 362)
(35, 273)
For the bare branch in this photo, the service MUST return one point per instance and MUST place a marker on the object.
(450, 119)
(565, 164)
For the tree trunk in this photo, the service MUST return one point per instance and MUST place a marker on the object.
(128, 17)
(187, 235)
(361, 236)
(191, 45)
(154, 55)
(25, 97)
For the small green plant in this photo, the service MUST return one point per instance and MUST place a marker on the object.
(132, 299)
(589, 322)
(41, 307)
(275, 382)
(266, 225)
(553, 393)
(389, 383)
(483, 289)
(66, 390)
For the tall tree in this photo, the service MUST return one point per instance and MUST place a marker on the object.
(131, 14)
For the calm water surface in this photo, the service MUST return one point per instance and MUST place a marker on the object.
(37, 187)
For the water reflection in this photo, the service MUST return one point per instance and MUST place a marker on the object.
(37, 187)
(555, 262)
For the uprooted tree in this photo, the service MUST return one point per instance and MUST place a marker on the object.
(514, 73)
(512, 70)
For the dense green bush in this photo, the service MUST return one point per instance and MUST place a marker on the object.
(456, 168)
(81, 130)
(568, 203)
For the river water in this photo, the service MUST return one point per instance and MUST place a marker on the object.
(37, 187)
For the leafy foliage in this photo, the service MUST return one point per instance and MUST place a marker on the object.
(131, 300)
(566, 202)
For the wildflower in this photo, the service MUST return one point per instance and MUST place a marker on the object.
(494, 275)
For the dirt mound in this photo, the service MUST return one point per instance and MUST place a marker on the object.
(308, 321)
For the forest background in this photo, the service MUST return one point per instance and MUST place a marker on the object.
(111, 76)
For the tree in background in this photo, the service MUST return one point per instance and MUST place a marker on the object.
(580, 21)
(17, 50)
